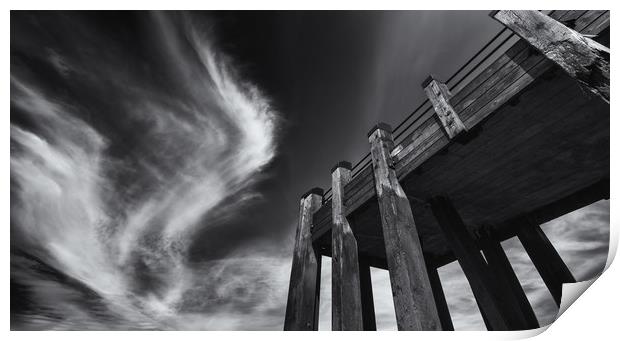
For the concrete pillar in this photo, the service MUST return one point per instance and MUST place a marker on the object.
(546, 259)
(411, 289)
(475, 268)
(302, 306)
(346, 297)
(368, 306)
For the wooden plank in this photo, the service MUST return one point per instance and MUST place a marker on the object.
(597, 26)
(425, 150)
(509, 64)
(361, 177)
(411, 142)
(346, 294)
(361, 187)
(304, 287)
(587, 19)
(411, 289)
(439, 95)
(361, 198)
(481, 78)
(582, 58)
(499, 99)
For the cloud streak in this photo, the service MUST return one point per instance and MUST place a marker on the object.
(199, 153)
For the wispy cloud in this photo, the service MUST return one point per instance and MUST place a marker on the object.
(193, 164)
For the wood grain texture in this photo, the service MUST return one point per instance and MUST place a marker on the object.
(302, 305)
(581, 57)
(411, 289)
(346, 296)
(439, 95)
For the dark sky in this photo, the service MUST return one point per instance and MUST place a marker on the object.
(333, 75)
(157, 159)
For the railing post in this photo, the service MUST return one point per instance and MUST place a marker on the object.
(581, 57)
(302, 306)
(474, 267)
(546, 259)
(346, 296)
(411, 288)
(439, 95)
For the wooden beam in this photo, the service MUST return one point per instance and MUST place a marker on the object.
(506, 280)
(439, 95)
(440, 298)
(546, 259)
(368, 306)
(302, 306)
(581, 57)
(346, 296)
(411, 289)
(474, 267)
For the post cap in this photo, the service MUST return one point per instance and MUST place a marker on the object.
(428, 80)
(342, 164)
(492, 13)
(315, 190)
(382, 126)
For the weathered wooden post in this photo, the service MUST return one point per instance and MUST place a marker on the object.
(440, 298)
(439, 95)
(411, 289)
(475, 268)
(346, 297)
(506, 280)
(302, 306)
(581, 57)
(546, 259)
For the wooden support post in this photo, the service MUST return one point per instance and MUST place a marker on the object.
(506, 280)
(411, 289)
(439, 95)
(302, 306)
(475, 268)
(582, 58)
(546, 259)
(346, 297)
(368, 305)
(440, 298)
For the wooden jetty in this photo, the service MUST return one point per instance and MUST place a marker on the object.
(517, 137)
